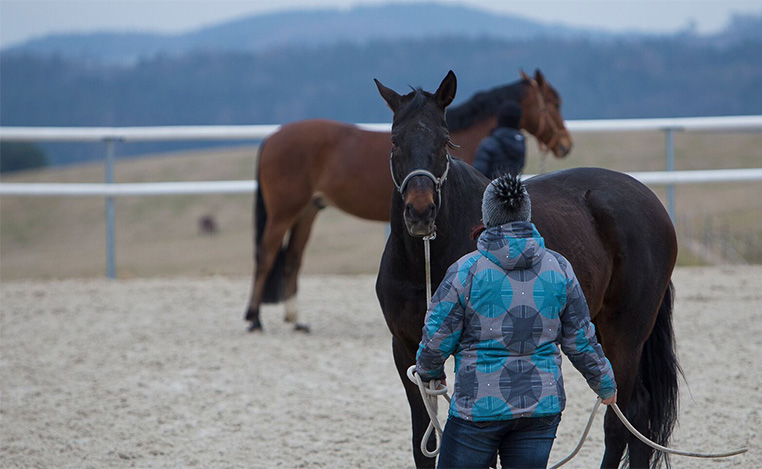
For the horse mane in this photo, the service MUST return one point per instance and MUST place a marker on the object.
(483, 105)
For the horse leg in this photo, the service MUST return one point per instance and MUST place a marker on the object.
(634, 405)
(638, 452)
(622, 333)
(625, 365)
(657, 391)
(266, 253)
(297, 242)
(625, 346)
(403, 359)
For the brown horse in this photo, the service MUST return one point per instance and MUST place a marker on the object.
(612, 229)
(310, 164)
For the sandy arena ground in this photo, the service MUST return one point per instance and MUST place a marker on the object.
(161, 373)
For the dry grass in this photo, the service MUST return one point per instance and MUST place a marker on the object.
(55, 237)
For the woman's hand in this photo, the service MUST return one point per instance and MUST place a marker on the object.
(610, 400)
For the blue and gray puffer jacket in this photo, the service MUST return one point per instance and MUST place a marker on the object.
(503, 310)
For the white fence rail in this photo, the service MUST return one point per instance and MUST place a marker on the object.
(111, 135)
(258, 132)
(127, 189)
(651, 178)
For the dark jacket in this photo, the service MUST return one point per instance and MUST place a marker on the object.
(502, 151)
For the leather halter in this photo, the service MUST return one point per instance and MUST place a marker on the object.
(542, 111)
(438, 181)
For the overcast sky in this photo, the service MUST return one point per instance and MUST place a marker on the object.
(23, 19)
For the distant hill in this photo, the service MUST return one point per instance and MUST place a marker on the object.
(302, 28)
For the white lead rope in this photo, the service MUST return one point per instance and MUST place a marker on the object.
(427, 254)
(659, 447)
(435, 389)
(582, 438)
(429, 395)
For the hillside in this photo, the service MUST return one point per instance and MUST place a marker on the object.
(289, 28)
(159, 236)
(655, 78)
(238, 72)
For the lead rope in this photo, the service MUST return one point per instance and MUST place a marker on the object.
(427, 255)
(659, 447)
(642, 438)
(582, 438)
(435, 389)
(543, 162)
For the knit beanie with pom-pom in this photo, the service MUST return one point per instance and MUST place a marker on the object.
(506, 200)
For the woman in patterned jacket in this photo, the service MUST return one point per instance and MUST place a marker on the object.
(503, 311)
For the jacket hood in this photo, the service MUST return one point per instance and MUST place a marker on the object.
(516, 245)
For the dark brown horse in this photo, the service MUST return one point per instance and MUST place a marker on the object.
(613, 229)
(310, 164)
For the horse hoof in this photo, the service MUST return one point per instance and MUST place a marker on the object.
(301, 327)
(255, 327)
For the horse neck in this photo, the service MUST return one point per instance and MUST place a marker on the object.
(474, 119)
(468, 139)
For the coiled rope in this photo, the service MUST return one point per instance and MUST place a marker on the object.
(429, 393)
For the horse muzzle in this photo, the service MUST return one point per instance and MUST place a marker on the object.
(421, 196)
(420, 221)
(563, 145)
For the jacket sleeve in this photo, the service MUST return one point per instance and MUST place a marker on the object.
(482, 159)
(578, 340)
(442, 327)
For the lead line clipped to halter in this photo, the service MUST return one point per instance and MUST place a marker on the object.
(435, 389)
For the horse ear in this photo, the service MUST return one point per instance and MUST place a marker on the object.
(446, 91)
(524, 76)
(391, 97)
(539, 77)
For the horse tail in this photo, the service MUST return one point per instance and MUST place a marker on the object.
(658, 372)
(275, 284)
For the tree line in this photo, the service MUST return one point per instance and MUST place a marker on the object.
(671, 76)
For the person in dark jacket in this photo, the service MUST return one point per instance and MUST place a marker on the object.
(503, 311)
(504, 149)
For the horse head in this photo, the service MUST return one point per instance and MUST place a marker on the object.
(419, 159)
(541, 115)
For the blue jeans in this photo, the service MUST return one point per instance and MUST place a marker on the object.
(521, 443)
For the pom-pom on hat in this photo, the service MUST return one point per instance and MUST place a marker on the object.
(506, 200)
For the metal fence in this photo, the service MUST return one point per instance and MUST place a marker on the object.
(110, 136)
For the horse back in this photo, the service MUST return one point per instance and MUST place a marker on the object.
(346, 165)
(612, 228)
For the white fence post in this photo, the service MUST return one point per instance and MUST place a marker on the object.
(110, 216)
(669, 142)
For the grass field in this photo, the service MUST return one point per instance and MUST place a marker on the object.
(56, 237)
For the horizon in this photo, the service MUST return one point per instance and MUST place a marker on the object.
(22, 20)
